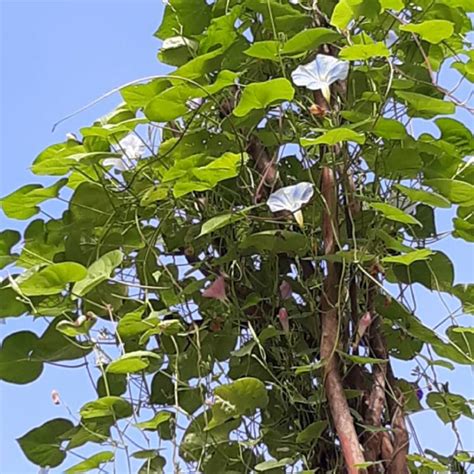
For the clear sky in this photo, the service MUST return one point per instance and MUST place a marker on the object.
(56, 57)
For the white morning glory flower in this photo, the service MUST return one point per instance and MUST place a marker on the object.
(321, 73)
(131, 147)
(292, 199)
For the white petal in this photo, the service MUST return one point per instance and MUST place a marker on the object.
(307, 76)
(132, 146)
(321, 72)
(116, 163)
(291, 198)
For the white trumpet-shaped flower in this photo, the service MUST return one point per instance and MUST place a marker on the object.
(131, 148)
(321, 73)
(292, 199)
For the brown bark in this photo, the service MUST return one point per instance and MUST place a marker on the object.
(339, 408)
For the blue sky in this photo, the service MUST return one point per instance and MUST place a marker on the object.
(56, 57)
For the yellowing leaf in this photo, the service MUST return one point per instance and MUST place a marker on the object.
(364, 51)
(335, 136)
(433, 31)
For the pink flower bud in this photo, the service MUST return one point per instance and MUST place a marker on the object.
(216, 290)
(364, 323)
(285, 290)
(55, 397)
(283, 317)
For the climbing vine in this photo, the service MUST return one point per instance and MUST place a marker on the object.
(237, 261)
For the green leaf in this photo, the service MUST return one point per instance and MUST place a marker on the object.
(309, 40)
(260, 95)
(465, 292)
(409, 258)
(200, 173)
(42, 445)
(426, 107)
(11, 306)
(90, 205)
(433, 31)
(356, 359)
(177, 50)
(334, 136)
(427, 463)
(172, 103)
(54, 160)
(53, 346)
(278, 241)
(98, 272)
(115, 407)
(52, 279)
(16, 364)
(419, 195)
(153, 466)
(312, 432)
(264, 50)
(8, 238)
(273, 464)
(436, 274)
(94, 462)
(448, 406)
(218, 222)
(347, 10)
(137, 96)
(157, 420)
(364, 52)
(395, 5)
(23, 203)
(393, 213)
(132, 362)
(458, 192)
(236, 399)
(189, 17)
(73, 329)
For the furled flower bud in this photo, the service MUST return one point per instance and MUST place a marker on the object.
(364, 323)
(283, 318)
(55, 397)
(285, 290)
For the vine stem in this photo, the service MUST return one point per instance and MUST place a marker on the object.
(339, 408)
